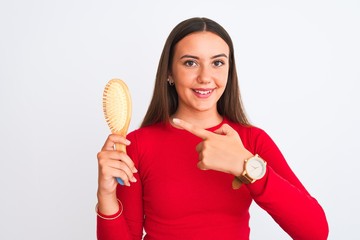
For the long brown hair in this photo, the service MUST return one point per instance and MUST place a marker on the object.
(165, 99)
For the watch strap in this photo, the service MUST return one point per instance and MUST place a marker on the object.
(236, 183)
(242, 179)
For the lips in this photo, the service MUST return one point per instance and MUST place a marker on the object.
(203, 92)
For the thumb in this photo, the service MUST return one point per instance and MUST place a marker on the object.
(201, 166)
(225, 129)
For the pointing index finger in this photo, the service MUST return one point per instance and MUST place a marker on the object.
(199, 132)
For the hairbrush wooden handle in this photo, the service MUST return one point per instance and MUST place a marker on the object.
(120, 147)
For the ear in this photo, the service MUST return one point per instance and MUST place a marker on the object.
(170, 80)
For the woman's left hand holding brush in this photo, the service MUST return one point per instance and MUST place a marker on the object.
(112, 164)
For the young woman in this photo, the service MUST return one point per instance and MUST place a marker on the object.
(196, 163)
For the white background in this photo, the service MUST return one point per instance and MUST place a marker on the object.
(298, 64)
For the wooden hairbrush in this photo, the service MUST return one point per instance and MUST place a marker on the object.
(117, 110)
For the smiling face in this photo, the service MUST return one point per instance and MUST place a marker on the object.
(200, 71)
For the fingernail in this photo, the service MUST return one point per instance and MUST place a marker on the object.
(133, 179)
(135, 170)
(127, 142)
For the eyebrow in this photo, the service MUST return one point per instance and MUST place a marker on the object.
(216, 56)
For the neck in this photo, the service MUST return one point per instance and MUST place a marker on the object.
(200, 119)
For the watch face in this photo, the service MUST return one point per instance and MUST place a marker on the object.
(255, 168)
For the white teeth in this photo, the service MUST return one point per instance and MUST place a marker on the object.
(203, 92)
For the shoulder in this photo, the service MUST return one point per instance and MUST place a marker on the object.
(253, 137)
(248, 131)
(148, 132)
(144, 140)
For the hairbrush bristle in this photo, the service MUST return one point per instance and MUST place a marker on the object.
(117, 106)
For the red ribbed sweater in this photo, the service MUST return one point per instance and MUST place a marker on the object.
(173, 199)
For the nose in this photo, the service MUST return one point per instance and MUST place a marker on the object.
(204, 75)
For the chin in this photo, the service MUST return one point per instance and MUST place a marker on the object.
(205, 108)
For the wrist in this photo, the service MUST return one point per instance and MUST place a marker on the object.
(105, 194)
(107, 203)
(239, 165)
(107, 216)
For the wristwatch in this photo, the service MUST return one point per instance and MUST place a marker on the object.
(254, 169)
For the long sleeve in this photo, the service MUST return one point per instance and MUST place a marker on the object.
(282, 195)
(112, 229)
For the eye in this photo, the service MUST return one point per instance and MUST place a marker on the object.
(218, 63)
(190, 63)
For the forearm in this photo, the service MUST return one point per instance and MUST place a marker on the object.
(107, 204)
(299, 214)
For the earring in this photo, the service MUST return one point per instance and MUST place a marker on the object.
(171, 82)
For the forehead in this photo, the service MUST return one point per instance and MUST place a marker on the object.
(202, 43)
